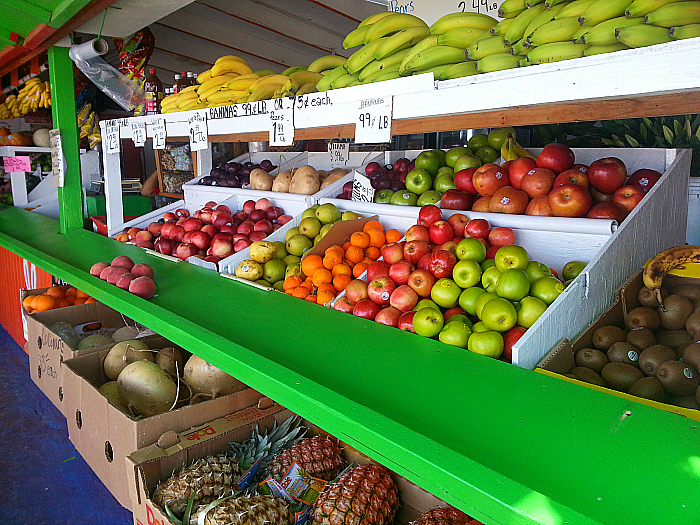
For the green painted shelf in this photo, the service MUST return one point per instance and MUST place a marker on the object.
(504, 444)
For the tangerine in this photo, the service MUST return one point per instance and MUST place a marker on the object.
(291, 282)
(27, 303)
(341, 269)
(340, 282)
(372, 252)
(354, 254)
(360, 239)
(322, 297)
(56, 291)
(90, 300)
(376, 237)
(80, 293)
(332, 259)
(300, 292)
(71, 290)
(61, 302)
(358, 270)
(393, 235)
(310, 264)
(335, 248)
(372, 224)
(44, 302)
(322, 276)
(311, 298)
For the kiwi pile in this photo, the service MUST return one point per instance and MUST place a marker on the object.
(656, 355)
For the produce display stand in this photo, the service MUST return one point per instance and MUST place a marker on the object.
(44, 193)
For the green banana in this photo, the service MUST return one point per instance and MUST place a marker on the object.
(532, 3)
(559, 30)
(606, 48)
(363, 56)
(644, 7)
(555, 52)
(642, 35)
(578, 35)
(516, 29)
(402, 40)
(464, 69)
(455, 20)
(371, 19)
(293, 69)
(424, 44)
(307, 88)
(434, 56)
(551, 3)
(389, 73)
(461, 37)
(486, 46)
(325, 63)
(602, 10)
(498, 62)
(264, 72)
(687, 31)
(604, 33)
(440, 72)
(356, 37)
(676, 14)
(378, 65)
(521, 47)
(392, 24)
(344, 81)
(544, 17)
(325, 83)
(501, 27)
(511, 8)
(575, 8)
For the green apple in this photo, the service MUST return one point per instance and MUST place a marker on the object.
(425, 303)
(273, 270)
(479, 327)
(291, 232)
(383, 196)
(547, 289)
(418, 181)
(460, 318)
(310, 212)
(350, 215)
(467, 273)
(498, 136)
(310, 226)
(536, 270)
(513, 285)
(467, 299)
(428, 322)
(472, 249)
(445, 293)
(429, 161)
(280, 250)
(489, 279)
(466, 161)
(482, 300)
(404, 198)
(444, 182)
(511, 256)
(429, 197)
(441, 153)
(487, 154)
(328, 213)
(572, 269)
(488, 343)
(499, 314)
(488, 263)
(298, 244)
(445, 169)
(453, 154)
(478, 141)
(529, 310)
(455, 333)
(291, 259)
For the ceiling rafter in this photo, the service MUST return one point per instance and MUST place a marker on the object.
(336, 11)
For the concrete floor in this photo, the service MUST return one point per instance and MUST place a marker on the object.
(43, 479)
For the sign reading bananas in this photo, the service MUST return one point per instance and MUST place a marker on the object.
(373, 120)
(282, 122)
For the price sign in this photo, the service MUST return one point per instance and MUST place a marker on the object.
(17, 164)
(199, 136)
(138, 133)
(339, 153)
(112, 138)
(282, 122)
(159, 135)
(373, 120)
(362, 189)
(57, 159)
(431, 10)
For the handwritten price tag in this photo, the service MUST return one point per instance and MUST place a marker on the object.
(199, 136)
(362, 189)
(431, 10)
(138, 133)
(339, 153)
(57, 160)
(159, 135)
(112, 138)
(282, 122)
(373, 120)
(17, 164)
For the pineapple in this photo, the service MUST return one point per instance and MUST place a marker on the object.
(246, 510)
(319, 456)
(448, 516)
(364, 496)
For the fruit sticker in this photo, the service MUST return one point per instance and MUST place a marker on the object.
(559, 287)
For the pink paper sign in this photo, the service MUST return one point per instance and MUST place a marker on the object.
(17, 164)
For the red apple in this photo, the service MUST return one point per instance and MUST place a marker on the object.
(414, 250)
(241, 244)
(599, 196)
(570, 200)
(192, 224)
(491, 252)
(406, 322)
(644, 179)
(572, 176)
(182, 213)
(211, 230)
(441, 264)
(356, 290)
(369, 169)
(366, 309)
(502, 236)
(607, 210)
(463, 180)
(581, 167)
(404, 298)
(506, 166)
(169, 217)
(257, 215)
(263, 226)
(481, 204)
(477, 228)
(607, 174)
(166, 229)
(238, 236)
(246, 227)
(389, 316)
(221, 219)
(132, 233)
(489, 178)
(143, 236)
(343, 305)
(440, 232)
(428, 215)
(200, 239)
(213, 259)
(377, 269)
(210, 205)
(164, 246)
(455, 310)
(539, 206)
(518, 168)
(459, 222)
(257, 236)
(284, 219)
(508, 200)
(456, 200)
(248, 206)
(155, 228)
(177, 233)
(421, 281)
(205, 215)
(187, 238)
(222, 235)
(509, 339)
(556, 157)
(418, 233)
(186, 250)
(392, 252)
(424, 262)
(240, 216)
(273, 213)
(400, 271)
(223, 207)
(263, 204)
(537, 182)
(628, 197)
(401, 165)
(449, 246)
(222, 248)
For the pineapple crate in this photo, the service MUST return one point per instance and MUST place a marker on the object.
(104, 435)
(173, 452)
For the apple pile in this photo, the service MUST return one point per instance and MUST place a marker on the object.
(457, 280)
(125, 274)
(234, 174)
(212, 233)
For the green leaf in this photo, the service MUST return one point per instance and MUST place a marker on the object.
(695, 124)
(677, 127)
(172, 516)
(632, 141)
(643, 132)
(608, 142)
(688, 129)
(668, 134)
(647, 122)
(188, 509)
(619, 142)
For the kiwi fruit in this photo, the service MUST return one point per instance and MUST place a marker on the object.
(648, 388)
(622, 352)
(691, 355)
(620, 376)
(641, 338)
(685, 402)
(652, 357)
(587, 375)
(675, 312)
(647, 296)
(678, 378)
(605, 336)
(689, 291)
(643, 316)
(692, 324)
(674, 338)
(591, 358)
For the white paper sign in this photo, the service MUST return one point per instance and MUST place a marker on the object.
(373, 120)
(159, 135)
(362, 189)
(138, 133)
(112, 138)
(339, 153)
(57, 159)
(431, 10)
(282, 122)
(199, 136)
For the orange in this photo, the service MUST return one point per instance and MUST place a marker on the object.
(325, 287)
(325, 296)
(310, 264)
(346, 246)
(340, 282)
(79, 300)
(35, 301)
(60, 303)
(291, 282)
(372, 252)
(335, 248)
(393, 235)
(341, 269)
(367, 261)
(354, 254)
(372, 224)
(332, 259)
(55, 291)
(71, 290)
(358, 270)
(322, 276)
(80, 293)
(376, 237)
(44, 302)
(70, 299)
(311, 298)
(90, 300)
(300, 292)
(360, 239)
(27, 303)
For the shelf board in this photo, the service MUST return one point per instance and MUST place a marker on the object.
(504, 444)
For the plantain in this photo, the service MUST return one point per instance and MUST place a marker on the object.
(664, 262)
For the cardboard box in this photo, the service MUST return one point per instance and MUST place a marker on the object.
(560, 359)
(104, 435)
(173, 452)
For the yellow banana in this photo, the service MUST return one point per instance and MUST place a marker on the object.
(551, 3)
(463, 69)
(642, 35)
(427, 42)
(356, 37)
(192, 105)
(326, 63)
(454, 20)
(230, 66)
(511, 8)
(298, 79)
(225, 95)
(189, 88)
(435, 56)
(516, 29)
(226, 58)
(675, 14)
(240, 83)
(559, 30)
(170, 100)
(401, 40)
(307, 88)
(601, 49)
(687, 31)
(204, 94)
(186, 99)
(376, 17)
(440, 72)
(363, 56)
(486, 46)
(276, 80)
(644, 7)
(293, 69)
(520, 151)
(544, 17)
(378, 65)
(501, 27)
(263, 92)
(604, 33)
(392, 24)
(575, 8)
(555, 52)
(507, 151)
(461, 37)
(215, 82)
(602, 10)
(204, 76)
(664, 262)
(498, 62)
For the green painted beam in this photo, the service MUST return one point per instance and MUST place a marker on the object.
(66, 10)
(70, 196)
(31, 11)
(506, 445)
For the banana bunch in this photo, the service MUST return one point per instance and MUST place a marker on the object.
(511, 150)
(34, 94)
(664, 262)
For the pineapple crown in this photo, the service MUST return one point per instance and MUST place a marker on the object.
(265, 447)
